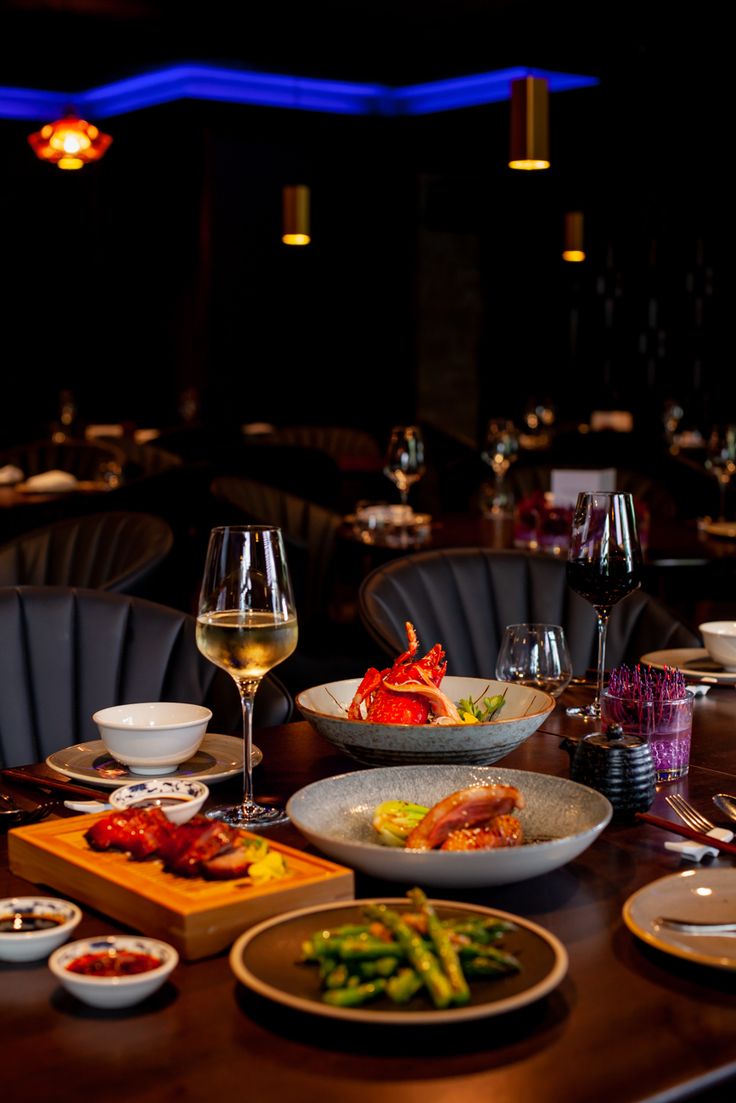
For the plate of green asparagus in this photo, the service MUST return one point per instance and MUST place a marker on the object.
(408, 960)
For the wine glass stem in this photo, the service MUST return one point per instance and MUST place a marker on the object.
(722, 485)
(602, 630)
(404, 497)
(247, 694)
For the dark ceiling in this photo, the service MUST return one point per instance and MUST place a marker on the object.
(68, 44)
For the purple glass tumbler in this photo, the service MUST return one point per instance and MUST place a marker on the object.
(665, 724)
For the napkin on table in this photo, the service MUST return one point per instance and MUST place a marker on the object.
(10, 474)
(51, 480)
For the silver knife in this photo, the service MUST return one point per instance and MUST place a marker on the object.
(690, 926)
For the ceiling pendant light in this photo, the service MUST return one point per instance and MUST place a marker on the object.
(529, 123)
(295, 230)
(574, 251)
(70, 142)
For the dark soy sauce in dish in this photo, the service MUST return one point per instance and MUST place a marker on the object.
(158, 802)
(21, 922)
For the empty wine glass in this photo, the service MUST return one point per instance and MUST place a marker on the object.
(247, 625)
(535, 655)
(603, 565)
(501, 446)
(404, 464)
(721, 460)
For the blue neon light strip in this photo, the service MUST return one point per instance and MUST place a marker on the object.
(206, 82)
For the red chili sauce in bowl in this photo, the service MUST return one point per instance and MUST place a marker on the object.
(113, 963)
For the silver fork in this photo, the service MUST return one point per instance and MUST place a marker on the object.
(695, 819)
(688, 814)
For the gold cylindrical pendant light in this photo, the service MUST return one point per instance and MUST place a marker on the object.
(573, 251)
(296, 215)
(529, 123)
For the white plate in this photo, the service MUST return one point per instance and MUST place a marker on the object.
(219, 757)
(704, 895)
(266, 960)
(719, 528)
(694, 662)
(561, 819)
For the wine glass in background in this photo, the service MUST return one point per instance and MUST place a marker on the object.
(535, 655)
(501, 447)
(603, 565)
(404, 463)
(246, 624)
(721, 460)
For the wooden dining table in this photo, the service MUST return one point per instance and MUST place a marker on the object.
(628, 1023)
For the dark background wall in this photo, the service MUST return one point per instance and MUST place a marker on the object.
(434, 283)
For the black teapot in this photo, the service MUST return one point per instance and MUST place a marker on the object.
(616, 764)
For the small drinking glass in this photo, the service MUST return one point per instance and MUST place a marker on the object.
(666, 725)
(404, 464)
(721, 461)
(535, 655)
(247, 625)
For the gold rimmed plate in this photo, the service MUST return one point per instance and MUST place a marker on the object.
(219, 757)
(693, 662)
(695, 895)
(267, 960)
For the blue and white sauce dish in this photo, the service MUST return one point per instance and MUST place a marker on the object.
(113, 990)
(32, 926)
(177, 798)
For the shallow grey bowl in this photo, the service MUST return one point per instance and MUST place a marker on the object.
(335, 815)
(326, 708)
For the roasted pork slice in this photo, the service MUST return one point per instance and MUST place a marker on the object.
(502, 831)
(206, 844)
(465, 808)
(133, 830)
(228, 864)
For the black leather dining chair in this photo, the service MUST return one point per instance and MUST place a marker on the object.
(463, 598)
(119, 551)
(66, 652)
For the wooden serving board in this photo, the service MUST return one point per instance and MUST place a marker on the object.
(197, 916)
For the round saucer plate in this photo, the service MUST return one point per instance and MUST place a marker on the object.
(705, 895)
(694, 662)
(219, 757)
(266, 959)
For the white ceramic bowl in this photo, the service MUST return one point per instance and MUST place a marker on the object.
(719, 640)
(32, 945)
(336, 816)
(178, 798)
(113, 992)
(326, 706)
(152, 737)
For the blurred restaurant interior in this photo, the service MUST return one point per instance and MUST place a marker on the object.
(151, 290)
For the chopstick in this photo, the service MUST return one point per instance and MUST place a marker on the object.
(688, 832)
(40, 781)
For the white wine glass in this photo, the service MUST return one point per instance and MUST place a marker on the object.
(246, 625)
(535, 655)
(404, 463)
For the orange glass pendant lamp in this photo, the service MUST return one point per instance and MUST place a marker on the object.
(70, 142)
(529, 123)
(573, 251)
(295, 229)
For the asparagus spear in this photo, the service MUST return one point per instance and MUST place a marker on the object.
(404, 985)
(443, 946)
(354, 997)
(423, 960)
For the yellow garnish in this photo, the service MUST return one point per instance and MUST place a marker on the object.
(270, 868)
(468, 718)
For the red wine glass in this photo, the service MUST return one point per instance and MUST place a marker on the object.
(603, 565)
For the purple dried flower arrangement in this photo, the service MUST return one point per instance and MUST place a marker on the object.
(657, 706)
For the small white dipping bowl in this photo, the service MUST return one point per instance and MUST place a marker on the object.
(178, 798)
(719, 640)
(152, 737)
(113, 992)
(32, 945)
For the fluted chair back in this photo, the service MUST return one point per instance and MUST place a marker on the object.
(353, 449)
(68, 652)
(106, 551)
(309, 532)
(463, 598)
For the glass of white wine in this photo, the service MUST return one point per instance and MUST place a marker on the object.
(246, 624)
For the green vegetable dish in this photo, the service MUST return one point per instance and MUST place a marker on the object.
(400, 954)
